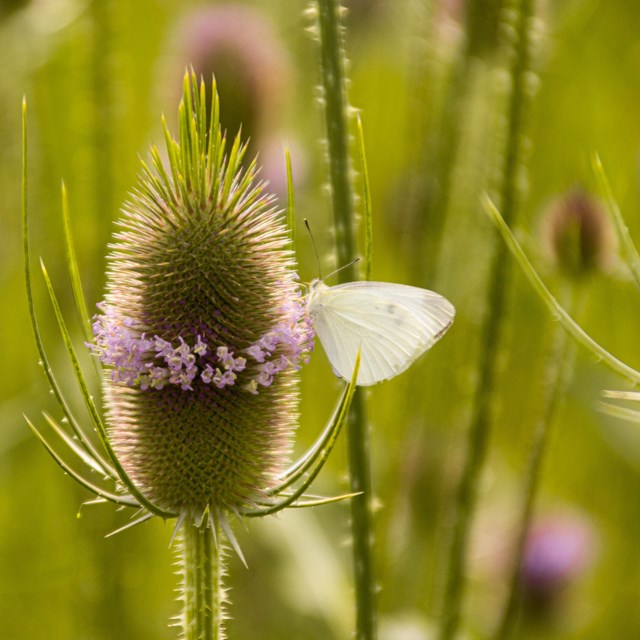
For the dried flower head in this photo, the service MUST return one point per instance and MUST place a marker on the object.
(578, 234)
(202, 329)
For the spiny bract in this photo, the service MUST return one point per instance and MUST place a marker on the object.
(203, 326)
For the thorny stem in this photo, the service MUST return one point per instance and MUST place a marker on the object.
(333, 63)
(336, 111)
(202, 565)
(480, 428)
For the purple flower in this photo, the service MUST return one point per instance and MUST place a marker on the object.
(558, 550)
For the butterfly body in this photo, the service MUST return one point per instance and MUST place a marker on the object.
(391, 325)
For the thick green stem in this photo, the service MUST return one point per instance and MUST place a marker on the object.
(333, 64)
(202, 565)
(336, 111)
(480, 428)
(362, 530)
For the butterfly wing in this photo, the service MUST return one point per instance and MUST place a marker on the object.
(391, 324)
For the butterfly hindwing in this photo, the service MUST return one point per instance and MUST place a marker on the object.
(391, 324)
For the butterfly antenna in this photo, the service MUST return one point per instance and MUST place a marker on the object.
(315, 248)
(346, 266)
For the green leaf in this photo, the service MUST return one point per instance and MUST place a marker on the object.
(74, 272)
(83, 438)
(291, 204)
(74, 446)
(622, 231)
(93, 412)
(111, 497)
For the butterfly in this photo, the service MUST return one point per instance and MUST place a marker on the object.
(391, 324)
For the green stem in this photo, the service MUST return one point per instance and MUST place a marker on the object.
(556, 378)
(202, 565)
(333, 64)
(362, 529)
(479, 433)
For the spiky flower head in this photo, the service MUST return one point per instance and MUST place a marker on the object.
(203, 326)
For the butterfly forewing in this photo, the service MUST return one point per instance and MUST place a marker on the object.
(391, 324)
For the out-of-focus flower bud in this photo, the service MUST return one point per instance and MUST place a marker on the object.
(558, 551)
(578, 235)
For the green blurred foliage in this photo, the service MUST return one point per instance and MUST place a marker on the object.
(97, 76)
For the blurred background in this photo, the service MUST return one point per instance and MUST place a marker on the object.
(429, 80)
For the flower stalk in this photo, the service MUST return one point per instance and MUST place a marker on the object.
(579, 243)
(553, 305)
(202, 593)
(582, 224)
(336, 112)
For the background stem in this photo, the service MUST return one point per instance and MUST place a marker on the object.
(479, 433)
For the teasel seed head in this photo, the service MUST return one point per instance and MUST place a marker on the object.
(578, 234)
(203, 326)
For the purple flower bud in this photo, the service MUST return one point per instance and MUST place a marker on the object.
(559, 548)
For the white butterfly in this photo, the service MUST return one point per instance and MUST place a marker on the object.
(391, 324)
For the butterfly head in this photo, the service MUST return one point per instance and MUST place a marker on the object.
(314, 293)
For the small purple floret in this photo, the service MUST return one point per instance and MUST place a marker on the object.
(152, 363)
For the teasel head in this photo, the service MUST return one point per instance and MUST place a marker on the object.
(202, 329)
(200, 338)
(197, 344)
(578, 234)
